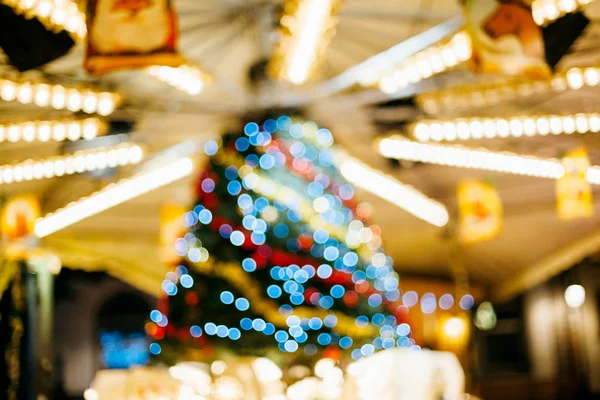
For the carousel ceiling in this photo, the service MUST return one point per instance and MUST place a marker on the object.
(228, 39)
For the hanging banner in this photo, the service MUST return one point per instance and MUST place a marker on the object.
(18, 217)
(573, 191)
(126, 34)
(506, 39)
(171, 228)
(480, 211)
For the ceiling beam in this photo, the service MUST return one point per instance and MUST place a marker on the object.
(548, 267)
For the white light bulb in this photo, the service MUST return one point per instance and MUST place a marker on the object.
(575, 296)
(454, 328)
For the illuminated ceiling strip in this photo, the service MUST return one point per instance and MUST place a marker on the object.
(426, 63)
(187, 78)
(399, 148)
(69, 164)
(55, 15)
(547, 11)
(388, 188)
(308, 27)
(59, 97)
(113, 195)
(371, 70)
(489, 128)
(58, 130)
(481, 95)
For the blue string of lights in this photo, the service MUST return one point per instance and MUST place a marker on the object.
(265, 219)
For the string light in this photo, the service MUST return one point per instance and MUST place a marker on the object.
(399, 148)
(390, 189)
(113, 195)
(486, 94)
(308, 26)
(44, 131)
(59, 97)
(69, 164)
(546, 11)
(55, 15)
(187, 78)
(427, 63)
(478, 128)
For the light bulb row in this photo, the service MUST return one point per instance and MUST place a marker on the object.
(113, 195)
(546, 11)
(399, 148)
(479, 128)
(186, 78)
(69, 164)
(390, 189)
(56, 15)
(307, 27)
(59, 97)
(59, 130)
(481, 95)
(427, 63)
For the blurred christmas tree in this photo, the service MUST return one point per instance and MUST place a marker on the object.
(277, 256)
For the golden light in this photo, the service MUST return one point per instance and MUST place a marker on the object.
(464, 97)
(59, 97)
(113, 195)
(43, 131)
(55, 15)
(388, 188)
(18, 217)
(307, 27)
(504, 127)
(399, 148)
(427, 63)
(547, 11)
(69, 164)
(455, 328)
(187, 78)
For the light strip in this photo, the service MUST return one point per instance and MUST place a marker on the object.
(399, 148)
(478, 128)
(69, 164)
(56, 15)
(427, 63)
(468, 96)
(307, 32)
(546, 11)
(59, 97)
(112, 195)
(59, 130)
(187, 78)
(388, 188)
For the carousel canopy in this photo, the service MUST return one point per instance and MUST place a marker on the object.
(232, 41)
